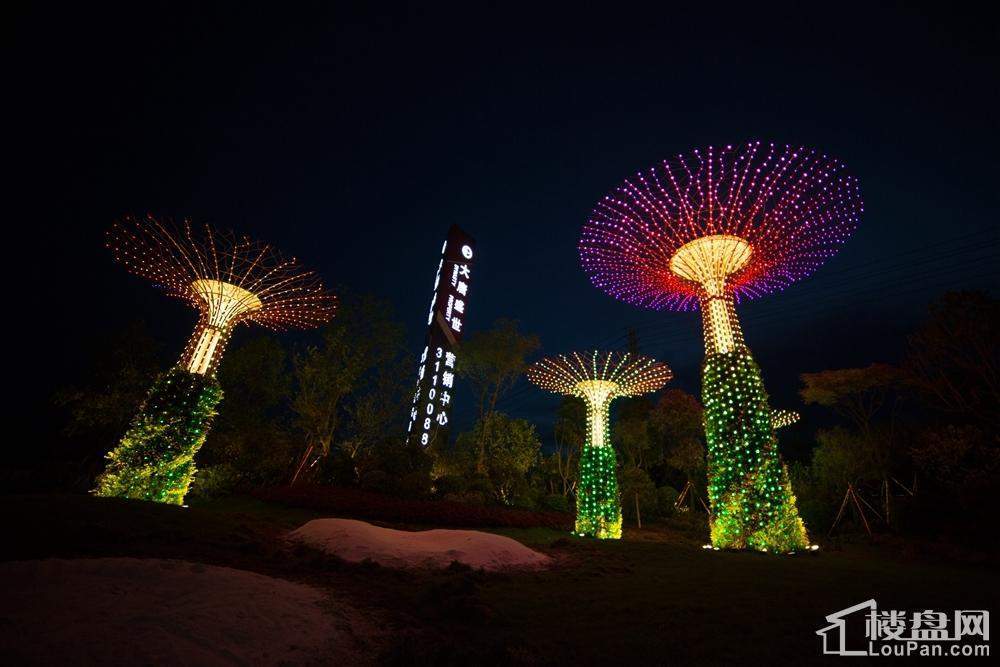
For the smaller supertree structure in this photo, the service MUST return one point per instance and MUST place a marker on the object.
(783, 418)
(230, 280)
(599, 378)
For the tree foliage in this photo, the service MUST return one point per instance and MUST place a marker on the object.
(857, 394)
(362, 339)
(118, 382)
(631, 433)
(841, 457)
(512, 447)
(570, 432)
(251, 438)
(639, 496)
(492, 361)
(953, 359)
(860, 396)
(676, 421)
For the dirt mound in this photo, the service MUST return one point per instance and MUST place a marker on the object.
(131, 611)
(356, 541)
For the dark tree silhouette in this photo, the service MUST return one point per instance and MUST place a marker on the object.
(953, 359)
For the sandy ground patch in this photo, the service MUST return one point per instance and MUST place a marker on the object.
(132, 611)
(357, 540)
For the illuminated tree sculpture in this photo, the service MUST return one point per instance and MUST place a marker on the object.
(599, 378)
(229, 280)
(706, 230)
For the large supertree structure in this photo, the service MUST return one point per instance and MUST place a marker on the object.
(599, 378)
(706, 230)
(229, 279)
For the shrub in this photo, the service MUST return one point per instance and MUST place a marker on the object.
(215, 481)
(447, 485)
(638, 487)
(524, 496)
(666, 496)
(555, 503)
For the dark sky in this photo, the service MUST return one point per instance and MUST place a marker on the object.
(354, 136)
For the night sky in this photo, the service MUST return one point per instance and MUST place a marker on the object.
(353, 138)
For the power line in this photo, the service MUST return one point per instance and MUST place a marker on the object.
(768, 319)
(858, 282)
(826, 286)
(827, 293)
(822, 297)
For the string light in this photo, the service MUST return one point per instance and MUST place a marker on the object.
(599, 378)
(229, 280)
(706, 230)
(783, 418)
(794, 207)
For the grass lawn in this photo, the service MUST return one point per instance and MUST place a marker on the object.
(654, 597)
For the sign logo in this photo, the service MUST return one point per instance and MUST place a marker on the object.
(864, 630)
(431, 406)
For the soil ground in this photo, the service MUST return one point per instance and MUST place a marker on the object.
(654, 597)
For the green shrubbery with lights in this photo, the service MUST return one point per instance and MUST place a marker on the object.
(598, 507)
(155, 458)
(752, 503)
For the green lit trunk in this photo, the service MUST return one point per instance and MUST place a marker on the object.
(155, 458)
(752, 503)
(598, 506)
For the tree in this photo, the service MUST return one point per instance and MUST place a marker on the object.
(101, 410)
(859, 394)
(361, 338)
(854, 393)
(959, 460)
(251, 434)
(638, 494)
(492, 361)
(119, 381)
(397, 467)
(841, 457)
(256, 379)
(570, 432)
(512, 447)
(952, 363)
(631, 433)
(374, 417)
(953, 360)
(676, 423)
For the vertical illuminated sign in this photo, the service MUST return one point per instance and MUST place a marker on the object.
(432, 399)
